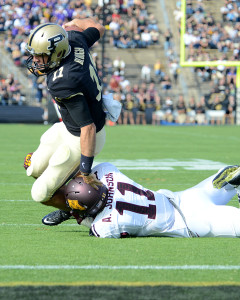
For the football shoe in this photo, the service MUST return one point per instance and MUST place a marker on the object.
(56, 217)
(230, 174)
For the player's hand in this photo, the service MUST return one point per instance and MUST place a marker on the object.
(71, 26)
(68, 24)
(91, 180)
(27, 161)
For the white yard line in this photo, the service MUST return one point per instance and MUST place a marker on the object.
(97, 267)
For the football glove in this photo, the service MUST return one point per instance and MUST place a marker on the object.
(91, 180)
(27, 161)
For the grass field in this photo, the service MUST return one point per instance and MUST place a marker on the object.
(63, 262)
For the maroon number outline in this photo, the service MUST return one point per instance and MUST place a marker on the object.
(150, 210)
(123, 187)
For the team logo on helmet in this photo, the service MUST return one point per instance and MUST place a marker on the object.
(54, 41)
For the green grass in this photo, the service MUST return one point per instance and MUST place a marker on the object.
(25, 241)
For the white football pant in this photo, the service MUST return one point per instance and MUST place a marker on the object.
(57, 156)
(205, 210)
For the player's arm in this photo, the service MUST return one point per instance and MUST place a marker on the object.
(86, 23)
(87, 144)
(79, 111)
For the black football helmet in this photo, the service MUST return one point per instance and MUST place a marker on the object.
(84, 198)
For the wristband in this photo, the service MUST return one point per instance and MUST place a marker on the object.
(86, 164)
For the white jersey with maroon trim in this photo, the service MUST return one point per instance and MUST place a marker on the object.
(131, 209)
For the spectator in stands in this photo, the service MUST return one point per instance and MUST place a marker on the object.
(115, 37)
(141, 112)
(200, 111)
(154, 37)
(166, 83)
(119, 65)
(142, 23)
(137, 41)
(191, 111)
(124, 41)
(217, 106)
(168, 39)
(167, 108)
(146, 37)
(158, 113)
(16, 55)
(158, 70)
(231, 75)
(152, 23)
(146, 73)
(114, 85)
(150, 104)
(181, 110)
(4, 95)
(174, 70)
(230, 112)
(41, 85)
(129, 104)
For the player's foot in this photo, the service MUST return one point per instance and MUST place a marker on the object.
(230, 174)
(56, 217)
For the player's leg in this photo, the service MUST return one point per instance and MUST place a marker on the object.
(49, 141)
(206, 219)
(205, 192)
(62, 164)
(215, 221)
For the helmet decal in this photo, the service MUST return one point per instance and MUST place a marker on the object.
(54, 41)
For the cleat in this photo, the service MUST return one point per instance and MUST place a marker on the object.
(230, 174)
(56, 217)
(234, 177)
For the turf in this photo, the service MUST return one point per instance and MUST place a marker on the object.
(66, 255)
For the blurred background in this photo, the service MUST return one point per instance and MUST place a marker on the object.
(138, 59)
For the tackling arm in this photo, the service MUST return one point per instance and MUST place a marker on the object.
(88, 140)
(87, 144)
(83, 24)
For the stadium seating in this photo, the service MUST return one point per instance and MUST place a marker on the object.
(161, 54)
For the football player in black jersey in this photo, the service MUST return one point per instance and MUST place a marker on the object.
(62, 54)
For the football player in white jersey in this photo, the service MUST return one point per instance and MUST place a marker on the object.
(123, 208)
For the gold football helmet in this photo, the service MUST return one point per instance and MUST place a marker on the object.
(49, 40)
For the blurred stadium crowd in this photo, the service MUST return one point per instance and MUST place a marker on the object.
(130, 25)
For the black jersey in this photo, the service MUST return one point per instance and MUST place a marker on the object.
(75, 84)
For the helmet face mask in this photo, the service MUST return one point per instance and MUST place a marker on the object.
(84, 199)
(49, 41)
(38, 69)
